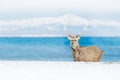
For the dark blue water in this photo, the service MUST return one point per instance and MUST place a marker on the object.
(55, 48)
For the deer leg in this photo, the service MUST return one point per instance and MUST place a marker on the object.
(78, 59)
(75, 59)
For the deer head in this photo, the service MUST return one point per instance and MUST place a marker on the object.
(74, 39)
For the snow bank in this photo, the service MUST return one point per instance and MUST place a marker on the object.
(36, 70)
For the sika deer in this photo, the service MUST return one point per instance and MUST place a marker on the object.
(86, 54)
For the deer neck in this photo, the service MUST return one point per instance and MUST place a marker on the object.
(75, 48)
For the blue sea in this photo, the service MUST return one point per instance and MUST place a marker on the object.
(54, 48)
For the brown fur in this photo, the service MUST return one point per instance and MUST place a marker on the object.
(86, 54)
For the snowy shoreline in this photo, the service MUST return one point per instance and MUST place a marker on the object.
(40, 70)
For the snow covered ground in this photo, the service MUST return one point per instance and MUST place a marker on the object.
(36, 70)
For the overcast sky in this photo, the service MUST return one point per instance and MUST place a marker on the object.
(45, 17)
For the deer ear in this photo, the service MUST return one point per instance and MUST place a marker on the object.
(78, 36)
(69, 37)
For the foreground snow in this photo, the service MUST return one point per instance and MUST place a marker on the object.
(31, 70)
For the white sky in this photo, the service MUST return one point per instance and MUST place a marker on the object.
(99, 10)
(15, 9)
(66, 4)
